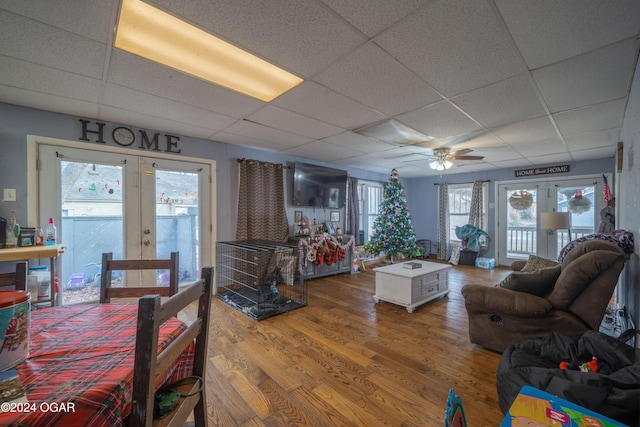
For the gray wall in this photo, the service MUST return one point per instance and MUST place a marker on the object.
(628, 200)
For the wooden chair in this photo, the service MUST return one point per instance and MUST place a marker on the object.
(109, 265)
(16, 280)
(149, 364)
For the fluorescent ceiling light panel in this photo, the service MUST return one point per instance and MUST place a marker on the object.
(394, 132)
(158, 36)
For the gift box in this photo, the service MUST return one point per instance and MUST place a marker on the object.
(485, 262)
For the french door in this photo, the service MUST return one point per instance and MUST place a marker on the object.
(132, 206)
(520, 205)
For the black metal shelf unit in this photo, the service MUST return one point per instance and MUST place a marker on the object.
(259, 277)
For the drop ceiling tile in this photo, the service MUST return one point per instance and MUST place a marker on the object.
(153, 123)
(606, 115)
(36, 78)
(516, 163)
(44, 101)
(599, 139)
(598, 76)
(289, 121)
(368, 160)
(550, 31)
(510, 100)
(439, 120)
(263, 133)
(359, 142)
(455, 45)
(301, 151)
(371, 17)
(594, 153)
(374, 78)
(326, 150)
(246, 141)
(528, 132)
(283, 31)
(162, 108)
(549, 159)
(71, 17)
(548, 147)
(314, 100)
(39, 43)
(142, 75)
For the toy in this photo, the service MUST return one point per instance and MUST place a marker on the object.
(591, 366)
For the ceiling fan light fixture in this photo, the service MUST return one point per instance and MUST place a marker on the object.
(440, 165)
(153, 34)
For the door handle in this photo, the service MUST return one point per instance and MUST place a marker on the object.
(147, 231)
(146, 242)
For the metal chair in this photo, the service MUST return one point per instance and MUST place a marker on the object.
(149, 364)
(109, 265)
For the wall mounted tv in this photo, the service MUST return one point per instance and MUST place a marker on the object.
(319, 186)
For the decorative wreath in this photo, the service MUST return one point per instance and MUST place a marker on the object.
(578, 203)
(521, 200)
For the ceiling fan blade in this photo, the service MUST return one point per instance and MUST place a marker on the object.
(461, 152)
(467, 157)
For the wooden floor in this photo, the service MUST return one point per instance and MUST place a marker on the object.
(345, 361)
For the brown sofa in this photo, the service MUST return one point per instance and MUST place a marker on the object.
(576, 303)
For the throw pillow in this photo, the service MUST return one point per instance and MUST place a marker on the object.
(536, 263)
(532, 282)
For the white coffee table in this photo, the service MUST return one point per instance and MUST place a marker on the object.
(411, 288)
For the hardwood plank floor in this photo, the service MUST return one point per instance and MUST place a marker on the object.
(344, 360)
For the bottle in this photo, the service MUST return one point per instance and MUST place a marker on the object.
(51, 233)
(39, 237)
(13, 230)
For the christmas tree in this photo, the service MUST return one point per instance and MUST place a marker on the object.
(393, 233)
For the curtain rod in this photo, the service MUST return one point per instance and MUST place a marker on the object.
(459, 183)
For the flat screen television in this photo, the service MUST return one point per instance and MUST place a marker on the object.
(319, 186)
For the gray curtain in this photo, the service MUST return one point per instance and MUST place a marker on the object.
(443, 221)
(475, 212)
(261, 209)
(353, 209)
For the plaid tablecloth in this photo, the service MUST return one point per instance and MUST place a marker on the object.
(84, 355)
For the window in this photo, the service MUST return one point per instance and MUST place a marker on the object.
(460, 206)
(370, 197)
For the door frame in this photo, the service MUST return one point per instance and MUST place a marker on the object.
(550, 180)
(33, 208)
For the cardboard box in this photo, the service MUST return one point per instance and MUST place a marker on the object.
(485, 262)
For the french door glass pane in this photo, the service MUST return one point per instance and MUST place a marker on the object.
(579, 201)
(92, 223)
(521, 223)
(177, 212)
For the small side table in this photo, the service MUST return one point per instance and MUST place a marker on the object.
(36, 252)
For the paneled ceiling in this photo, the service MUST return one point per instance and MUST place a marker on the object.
(521, 82)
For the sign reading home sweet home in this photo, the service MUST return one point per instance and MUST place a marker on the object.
(542, 171)
(125, 137)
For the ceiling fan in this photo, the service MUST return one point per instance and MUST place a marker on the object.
(444, 157)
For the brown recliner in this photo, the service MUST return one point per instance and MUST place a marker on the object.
(499, 317)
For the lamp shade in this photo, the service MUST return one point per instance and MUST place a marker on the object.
(555, 220)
